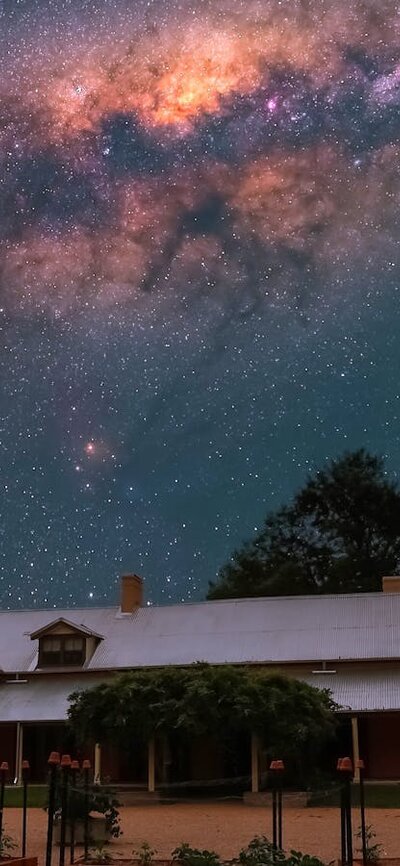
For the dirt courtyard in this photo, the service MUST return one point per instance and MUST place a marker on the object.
(224, 827)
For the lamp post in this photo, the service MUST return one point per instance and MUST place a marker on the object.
(53, 763)
(277, 768)
(345, 768)
(86, 771)
(65, 768)
(74, 771)
(25, 778)
(3, 776)
(361, 767)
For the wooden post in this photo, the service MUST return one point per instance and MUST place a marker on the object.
(151, 766)
(97, 764)
(356, 747)
(254, 764)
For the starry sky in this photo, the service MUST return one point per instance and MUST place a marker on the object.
(199, 277)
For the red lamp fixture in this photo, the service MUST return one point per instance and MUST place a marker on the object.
(345, 765)
(277, 765)
(54, 759)
(65, 761)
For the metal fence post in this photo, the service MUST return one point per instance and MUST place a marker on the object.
(65, 768)
(3, 775)
(25, 779)
(345, 768)
(73, 798)
(53, 762)
(361, 767)
(86, 770)
(277, 768)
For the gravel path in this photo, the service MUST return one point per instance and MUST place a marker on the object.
(224, 827)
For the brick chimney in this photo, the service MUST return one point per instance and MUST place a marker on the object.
(131, 592)
(391, 584)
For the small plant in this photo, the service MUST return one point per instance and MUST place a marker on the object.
(145, 854)
(373, 850)
(259, 852)
(99, 855)
(194, 857)
(296, 858)
(7, 846)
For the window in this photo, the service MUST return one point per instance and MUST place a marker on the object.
(62, 650)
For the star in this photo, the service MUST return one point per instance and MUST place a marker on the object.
(200, 271)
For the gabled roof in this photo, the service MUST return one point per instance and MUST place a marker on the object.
(82, 629)
(358, 627)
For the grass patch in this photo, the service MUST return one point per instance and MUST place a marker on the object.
(37, 796)
(376, 796)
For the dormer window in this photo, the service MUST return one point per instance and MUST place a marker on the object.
(62, 650)
(64, 644)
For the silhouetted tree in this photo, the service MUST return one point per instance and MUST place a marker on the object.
(341, 533)
(288, 715)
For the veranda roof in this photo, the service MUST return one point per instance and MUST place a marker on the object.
(45, 698)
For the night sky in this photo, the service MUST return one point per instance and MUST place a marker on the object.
(199, 277)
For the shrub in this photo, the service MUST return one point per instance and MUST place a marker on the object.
(145, 854)
(259, 852)
(188, 856)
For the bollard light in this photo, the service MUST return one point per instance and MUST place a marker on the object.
(3, 774)
(65, 761)
(53, 762)
(361, 767)
(86, 770)
(74, 770)
(345, 769)
(25, 778)
(277, 765)
(54, 759)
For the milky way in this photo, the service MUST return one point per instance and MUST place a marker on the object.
(199, 271)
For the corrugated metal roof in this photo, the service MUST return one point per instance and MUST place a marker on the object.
(41, 699)
(45, 699)
(362, 692)
(276, 630)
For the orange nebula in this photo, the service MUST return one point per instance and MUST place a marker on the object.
(195, 79)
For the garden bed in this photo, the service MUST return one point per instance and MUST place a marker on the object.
(19, 861)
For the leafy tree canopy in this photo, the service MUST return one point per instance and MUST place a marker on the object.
(341, 533)
(287, 714)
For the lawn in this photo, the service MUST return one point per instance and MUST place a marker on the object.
(37, 796)
(376, 796)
